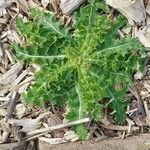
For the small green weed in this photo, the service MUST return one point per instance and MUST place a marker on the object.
(80, 67)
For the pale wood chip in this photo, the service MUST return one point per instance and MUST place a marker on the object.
(123, 135)
(3, 35)
(146, 85)
(140, 75)
(3, 21)
(130, 123)
(6, 98)
(48, 135)
(1, 51)
(71, 136)
(10, 56)
(13, 36)
(28, 125)
(54, 120)
(5, 136)
(45, 125)
(144, 36)
(20, 110)
(6, 131)
(20, 16)
(4, 40)
(144, 94)
(68, 6)
(121, 34)
(5, 126)
(11, 75)
(36, 67)
(45, 3)
(147, 111)
(16, 9)
(25, 19)
(11, 13)
(23, 5)
(4, 12)
(2, 112)
(133, 10)
(5, 4)
(27, 80)
(4, 90)
(148, 20)
(127, 30)
(148, 8)
(34, 4)
(23, 88)
(19, 78)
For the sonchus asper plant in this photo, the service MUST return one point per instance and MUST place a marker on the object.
(82, 66)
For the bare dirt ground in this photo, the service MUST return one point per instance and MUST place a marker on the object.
(140, 142)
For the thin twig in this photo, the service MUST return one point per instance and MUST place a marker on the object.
(40, 132)
(58, 127)
(119, 128)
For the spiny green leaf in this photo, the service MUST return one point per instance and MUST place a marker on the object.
(81, 130)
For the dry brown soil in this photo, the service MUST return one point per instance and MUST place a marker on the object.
(140, 142)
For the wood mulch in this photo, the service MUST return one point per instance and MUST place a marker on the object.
(21, 123)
